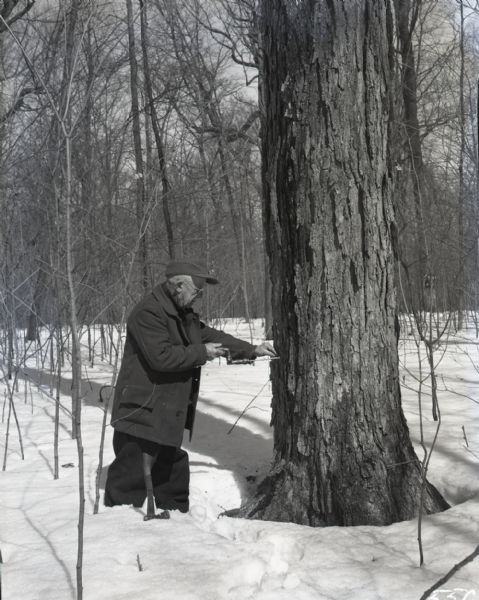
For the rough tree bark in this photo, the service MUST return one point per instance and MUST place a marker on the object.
(342, 453)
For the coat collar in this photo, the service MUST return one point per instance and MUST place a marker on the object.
(191, 335)
(161, 294)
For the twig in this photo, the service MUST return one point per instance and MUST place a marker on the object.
(4, 466)
(11, 408)
(448, 576)
(66, 410)
(446, 389)
(246, 407)
(465, 436)
(404, 462)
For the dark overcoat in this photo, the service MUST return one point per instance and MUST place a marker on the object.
(158, 383)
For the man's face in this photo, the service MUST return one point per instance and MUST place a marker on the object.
(186, 293)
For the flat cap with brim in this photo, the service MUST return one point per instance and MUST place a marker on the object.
(189, 268)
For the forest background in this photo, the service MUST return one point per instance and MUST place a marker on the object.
(159, 104)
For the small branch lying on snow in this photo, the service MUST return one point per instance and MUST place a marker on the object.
(448, 576)
(465, 436)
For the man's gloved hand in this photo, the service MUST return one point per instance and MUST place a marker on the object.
(265, 349)
(214, 350)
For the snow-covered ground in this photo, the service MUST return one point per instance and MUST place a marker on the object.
(199, 556)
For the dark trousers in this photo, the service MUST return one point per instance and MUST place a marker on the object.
(170, 474)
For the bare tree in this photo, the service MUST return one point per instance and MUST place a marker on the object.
(136, 129)
(165, 184)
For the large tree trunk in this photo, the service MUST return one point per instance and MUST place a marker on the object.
(342, 449)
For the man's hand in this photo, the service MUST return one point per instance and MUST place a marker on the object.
(265, 349)
(214, 350)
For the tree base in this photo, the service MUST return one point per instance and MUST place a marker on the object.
(276, 500)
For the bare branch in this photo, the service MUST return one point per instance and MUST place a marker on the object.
(9, 7)
(20, 102)
(452, 572)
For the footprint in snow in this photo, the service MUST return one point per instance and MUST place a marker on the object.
(269, 568)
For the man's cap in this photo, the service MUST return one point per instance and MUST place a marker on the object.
(193, 269)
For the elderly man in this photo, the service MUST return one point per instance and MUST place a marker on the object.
(157, 390)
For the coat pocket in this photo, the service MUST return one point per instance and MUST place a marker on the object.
(137, 403)
(170, 417)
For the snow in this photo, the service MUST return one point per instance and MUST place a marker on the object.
(198, 556)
